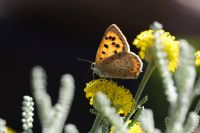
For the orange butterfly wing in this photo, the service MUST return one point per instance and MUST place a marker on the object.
(113, 42)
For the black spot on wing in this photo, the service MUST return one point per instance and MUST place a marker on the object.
(113, 43)
(117, 46)
(106, 45)
(103, 52)
(113, 38)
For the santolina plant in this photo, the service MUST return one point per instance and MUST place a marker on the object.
(117, 110)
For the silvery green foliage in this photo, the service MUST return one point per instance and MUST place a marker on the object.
(180, 92)
(162, 63)
(27, 114)
(70, 128)
(103, 105)
(43, 100)
(156, 26)
(191, 123)
(184, 79)
(52, 117)
(186, 69)
(148, 122)
(2, 126)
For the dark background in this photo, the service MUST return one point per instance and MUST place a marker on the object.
(53, 34)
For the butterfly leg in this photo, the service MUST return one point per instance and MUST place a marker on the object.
(93, 75)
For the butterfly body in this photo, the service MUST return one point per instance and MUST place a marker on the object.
(114, 59)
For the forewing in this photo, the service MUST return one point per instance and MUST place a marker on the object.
(113, 42)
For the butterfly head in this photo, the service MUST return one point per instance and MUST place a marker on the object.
(98, 70)
(93, 66)
(95, 69)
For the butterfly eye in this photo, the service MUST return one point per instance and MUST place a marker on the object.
(93, 66)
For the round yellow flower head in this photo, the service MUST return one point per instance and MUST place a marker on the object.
(120, 97)
(136, 128)
(197, 60)
(145, 40)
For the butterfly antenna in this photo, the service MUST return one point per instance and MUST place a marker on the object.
(84, 60)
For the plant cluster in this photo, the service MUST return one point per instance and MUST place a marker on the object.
(117, 110)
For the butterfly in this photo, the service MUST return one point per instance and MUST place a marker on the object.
(114, 58)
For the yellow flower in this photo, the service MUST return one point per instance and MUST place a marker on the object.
(136, 128)
(120, 97)
(197, 60)
(145, 40)
(10, 130)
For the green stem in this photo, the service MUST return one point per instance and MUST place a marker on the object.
(148, 72)
(197, 109)
(150, 68)
(96, 123)
(105, 128)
